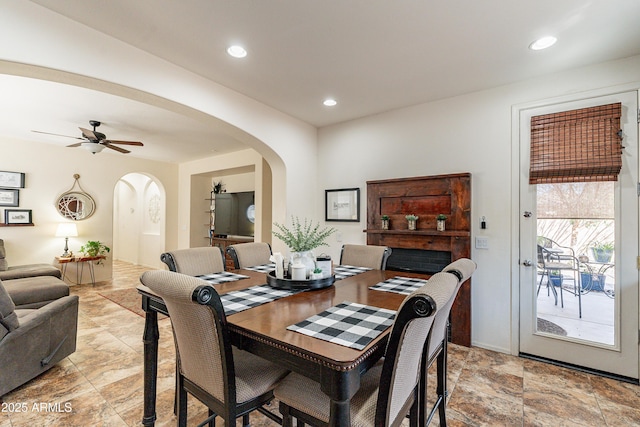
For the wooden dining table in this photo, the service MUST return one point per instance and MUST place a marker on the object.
(262, 330)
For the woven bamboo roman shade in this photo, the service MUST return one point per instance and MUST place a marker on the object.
(576, 146)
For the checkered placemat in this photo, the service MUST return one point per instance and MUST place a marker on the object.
(399, 284)
(264, 268)
(237, 301)
(349, 324)
(344, 271)
(223, 276)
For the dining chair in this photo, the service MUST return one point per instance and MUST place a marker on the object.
(369, 256)
(195, 261)
(389, 390)
(556, 251)
(249, 254)
(436, 351)
(556, 271)
(230, 382)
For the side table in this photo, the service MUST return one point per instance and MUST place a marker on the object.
(80, 262)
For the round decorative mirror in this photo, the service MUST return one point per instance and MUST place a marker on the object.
(75, 205)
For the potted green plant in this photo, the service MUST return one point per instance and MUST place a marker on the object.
(602, 252)
(411, 221)
(440, 222)
(301, 239)
(316, 274)
(385, 222)
(94, 248)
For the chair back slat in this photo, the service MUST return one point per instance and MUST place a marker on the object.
(369, 256)
(194, 261)
(249, 254)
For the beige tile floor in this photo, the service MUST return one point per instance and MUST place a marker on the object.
(101, 383)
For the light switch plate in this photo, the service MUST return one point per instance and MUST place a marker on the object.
(482, 243)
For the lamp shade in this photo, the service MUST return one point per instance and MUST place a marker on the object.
(67, 229)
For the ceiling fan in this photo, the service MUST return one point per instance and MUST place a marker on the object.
(94, 141)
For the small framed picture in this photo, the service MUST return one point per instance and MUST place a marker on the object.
(9, 197)
(11, 179)
(342, 205)
(17, 216)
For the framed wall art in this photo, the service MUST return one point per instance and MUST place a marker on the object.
(11, 179)
(9, 197)
(17, 216)
(342, 205)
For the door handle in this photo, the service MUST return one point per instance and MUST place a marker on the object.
(527, 263)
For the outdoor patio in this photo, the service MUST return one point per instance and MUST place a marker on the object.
(596, 324)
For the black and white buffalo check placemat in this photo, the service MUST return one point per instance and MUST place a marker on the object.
(344, 271)
(223, 276)
(399, 285)
(264, 268)
(349, 324)
(237, 301)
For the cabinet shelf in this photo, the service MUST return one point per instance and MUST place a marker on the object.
(17, 225)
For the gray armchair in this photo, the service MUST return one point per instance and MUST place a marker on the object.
(34, 340)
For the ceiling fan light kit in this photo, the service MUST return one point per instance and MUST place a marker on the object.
(94, 141)
(92, 147)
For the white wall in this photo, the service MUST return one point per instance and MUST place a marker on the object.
(49, 173)
(470, 133)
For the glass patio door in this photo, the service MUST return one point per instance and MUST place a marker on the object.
(578, 254)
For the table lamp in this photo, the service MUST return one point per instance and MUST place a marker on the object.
(66, 230)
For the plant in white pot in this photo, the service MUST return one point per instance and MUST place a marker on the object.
(302, 239)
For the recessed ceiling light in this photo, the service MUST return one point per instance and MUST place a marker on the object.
(330, 102)
(543, 43)
(237, 51)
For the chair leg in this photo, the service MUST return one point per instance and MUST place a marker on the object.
(212, 415)
(287, 419)
(245, 420)
(442, 384)
(181, 396)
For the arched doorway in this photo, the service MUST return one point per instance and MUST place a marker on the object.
(139, 212)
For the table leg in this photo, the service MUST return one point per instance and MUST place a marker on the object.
(340, 413)
(92, 273)
(150, 339)
(340, 387)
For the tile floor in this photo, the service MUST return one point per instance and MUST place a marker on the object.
(101, 383)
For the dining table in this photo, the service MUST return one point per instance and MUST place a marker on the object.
(263, 331)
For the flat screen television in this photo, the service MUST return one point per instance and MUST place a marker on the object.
(235, 214)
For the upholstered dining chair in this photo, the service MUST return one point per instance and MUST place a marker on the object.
(230, 382)
(436, 351)
(389, 390)
(370, 256)
(249, 254)
(195, 261)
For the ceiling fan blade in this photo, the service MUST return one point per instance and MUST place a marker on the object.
(113, 147)
(89, 134)
(136, 143)
(57, 134)
(78, 144)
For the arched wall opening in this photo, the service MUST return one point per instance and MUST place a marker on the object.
(139, 216)
(272, 167)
